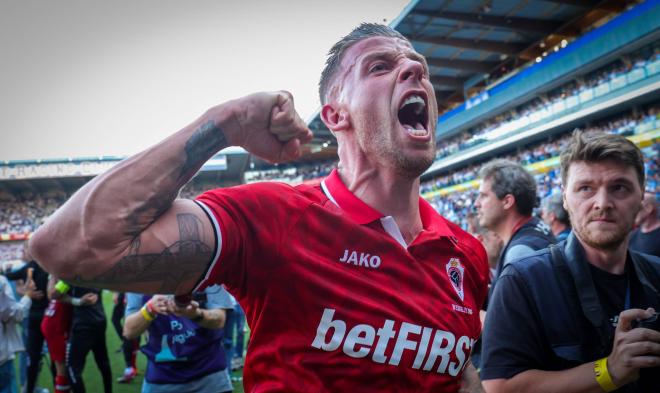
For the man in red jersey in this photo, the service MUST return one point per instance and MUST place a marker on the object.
(355, 284)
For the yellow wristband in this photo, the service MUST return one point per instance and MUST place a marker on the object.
(62, 287)
(603, 376)
(146, 314)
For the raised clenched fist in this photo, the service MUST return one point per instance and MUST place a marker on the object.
(265, 124)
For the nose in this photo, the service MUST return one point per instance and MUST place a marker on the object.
(602, 199)
(411, 69)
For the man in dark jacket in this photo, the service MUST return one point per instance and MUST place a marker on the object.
(507, 197)
(564, 319)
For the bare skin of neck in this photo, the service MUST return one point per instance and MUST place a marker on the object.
(650, 224)
(505, 227)
(557, 227)
(391, 194)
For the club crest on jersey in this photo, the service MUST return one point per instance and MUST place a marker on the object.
(455, 272)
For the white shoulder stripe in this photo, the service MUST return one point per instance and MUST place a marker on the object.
(218, 240)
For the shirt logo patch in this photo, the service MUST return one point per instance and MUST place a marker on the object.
(455, 272)
(360, 259)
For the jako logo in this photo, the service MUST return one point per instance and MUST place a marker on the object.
(361, 259)
(360, 340)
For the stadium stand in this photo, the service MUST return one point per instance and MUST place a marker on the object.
(558, 101)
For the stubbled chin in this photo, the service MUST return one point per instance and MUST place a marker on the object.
(603, 239)
(415, 164)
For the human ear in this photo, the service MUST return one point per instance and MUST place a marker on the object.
(335, 118)
(508, 201)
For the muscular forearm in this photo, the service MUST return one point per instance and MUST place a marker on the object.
(579, 379)
(470, 381)
(213, 319)
(134, 325)
(102, 222)
(125, 231)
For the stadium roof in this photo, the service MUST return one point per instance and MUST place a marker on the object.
(470, 44)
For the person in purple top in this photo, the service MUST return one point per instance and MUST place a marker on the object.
(184, 349)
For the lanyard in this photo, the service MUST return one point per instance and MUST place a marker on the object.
(626, 304)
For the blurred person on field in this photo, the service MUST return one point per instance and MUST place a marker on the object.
(88, 326)
(184, 346)
(55, 327)
(35, 338)
(12, 312)
(129, 348)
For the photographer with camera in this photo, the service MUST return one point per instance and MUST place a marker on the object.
(184, 347)
(564, 319)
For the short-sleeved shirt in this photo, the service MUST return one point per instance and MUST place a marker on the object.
(218, 381)
(335, 298)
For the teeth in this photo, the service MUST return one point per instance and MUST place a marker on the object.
(415, 99)
(415, 132)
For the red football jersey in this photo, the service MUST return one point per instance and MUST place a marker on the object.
(337, 302)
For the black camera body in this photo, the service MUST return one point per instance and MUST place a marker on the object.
(184, 300)
(653, 323)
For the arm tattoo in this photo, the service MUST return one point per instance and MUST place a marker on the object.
(148, 211)
(201, 146)
(162, 272)
(204, 142)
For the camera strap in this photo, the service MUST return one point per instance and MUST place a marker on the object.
(571, 273)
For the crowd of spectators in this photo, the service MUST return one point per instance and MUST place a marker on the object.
(24, 212)
(292, 173)
(533, 111)
(10, 251)
(623, 125)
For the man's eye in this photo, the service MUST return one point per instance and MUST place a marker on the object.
(377, 67)
(584, 188)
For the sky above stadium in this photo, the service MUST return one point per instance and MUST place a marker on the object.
(97, 77)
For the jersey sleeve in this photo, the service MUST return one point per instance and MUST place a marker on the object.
(511, 336)
(250, 223)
